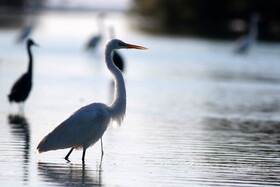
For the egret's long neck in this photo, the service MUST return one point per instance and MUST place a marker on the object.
(30, 60)
(118, 106)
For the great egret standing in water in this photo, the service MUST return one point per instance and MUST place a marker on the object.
(23, 85)
(87, 125)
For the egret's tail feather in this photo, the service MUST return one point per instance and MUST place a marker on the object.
(46, 144)
(41, 147)
(54, 141)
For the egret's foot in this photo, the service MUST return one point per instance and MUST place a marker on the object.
(67, 156)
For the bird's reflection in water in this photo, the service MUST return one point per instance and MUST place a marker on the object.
(70, 174)
(20, 128)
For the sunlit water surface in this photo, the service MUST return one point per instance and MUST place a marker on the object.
(197, 114)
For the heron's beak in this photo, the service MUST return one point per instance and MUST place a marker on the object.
(134, 46)
(36, 45)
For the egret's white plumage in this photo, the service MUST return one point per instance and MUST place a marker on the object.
(87, 125)
(80, 130)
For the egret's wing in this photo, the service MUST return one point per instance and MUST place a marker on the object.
(83, 128)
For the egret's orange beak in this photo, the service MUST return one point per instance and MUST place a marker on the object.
(134, 46)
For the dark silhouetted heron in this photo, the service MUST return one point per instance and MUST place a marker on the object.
(23, 85)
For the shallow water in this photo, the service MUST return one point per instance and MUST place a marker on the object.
(197, 114)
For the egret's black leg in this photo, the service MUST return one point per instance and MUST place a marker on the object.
(66, 158)
(84, 153)
(101, 146)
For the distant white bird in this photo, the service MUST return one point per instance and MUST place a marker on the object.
(95, 40)
(26, 32)
(245, 42)
(87, 125)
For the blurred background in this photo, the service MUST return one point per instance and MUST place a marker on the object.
(203, 103)
(218, 18)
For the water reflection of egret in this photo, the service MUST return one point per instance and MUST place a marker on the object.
(20, 128)
(69, 174)
(23, 85)
(87, 125)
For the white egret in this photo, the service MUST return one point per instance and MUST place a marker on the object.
(87, 125)
(245, 42)
(95, 40)
(23, 85)
(30, 24)
(26, 31)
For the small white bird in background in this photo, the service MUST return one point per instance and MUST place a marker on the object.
(30, 25)
(87, 125)
(95, 40)
(244, 43)
(25, 32)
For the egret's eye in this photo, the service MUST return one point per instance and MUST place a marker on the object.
(121, 44)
